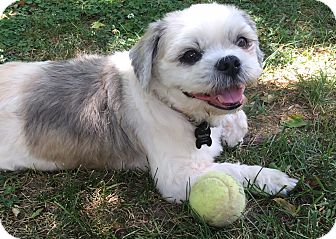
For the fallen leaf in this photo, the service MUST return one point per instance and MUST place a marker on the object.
(115, 31)
(267, 98)
(97, 25)
(22, 3)
(286, 205)
(15, 211)
(36, 213)
(295, 121)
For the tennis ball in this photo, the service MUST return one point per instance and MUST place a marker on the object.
(218, 198)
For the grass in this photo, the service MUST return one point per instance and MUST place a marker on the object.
(292, 119)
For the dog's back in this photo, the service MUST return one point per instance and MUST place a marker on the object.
(67, 113)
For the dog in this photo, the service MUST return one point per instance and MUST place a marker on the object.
(167, 105)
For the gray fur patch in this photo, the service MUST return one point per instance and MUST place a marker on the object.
(73, 115)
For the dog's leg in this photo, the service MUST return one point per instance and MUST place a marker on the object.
(234, 127)
(174, 161)
(175, 167)
(270, 180)
(175, 175)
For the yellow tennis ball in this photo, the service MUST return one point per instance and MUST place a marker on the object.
(218, 198)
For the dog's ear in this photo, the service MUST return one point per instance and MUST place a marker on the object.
(144, 52)
(251, 23)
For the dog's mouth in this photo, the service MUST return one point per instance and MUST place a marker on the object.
(226, 99)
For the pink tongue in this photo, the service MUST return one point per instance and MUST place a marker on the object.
(225, 97)
(230, 96)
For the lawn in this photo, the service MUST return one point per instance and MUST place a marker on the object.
(292, 113)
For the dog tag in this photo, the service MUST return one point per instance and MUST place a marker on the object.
(202, 134)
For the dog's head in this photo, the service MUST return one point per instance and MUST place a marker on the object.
(199, 60)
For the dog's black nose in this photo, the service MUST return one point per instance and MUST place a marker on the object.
(229, 65)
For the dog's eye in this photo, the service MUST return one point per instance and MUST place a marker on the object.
(190, 57)
(242, 42)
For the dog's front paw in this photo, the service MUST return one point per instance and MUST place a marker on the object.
(274, 181)
(234, 128)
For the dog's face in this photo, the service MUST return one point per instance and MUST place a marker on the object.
(199, 60)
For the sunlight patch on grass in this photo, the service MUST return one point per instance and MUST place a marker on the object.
(301, 62)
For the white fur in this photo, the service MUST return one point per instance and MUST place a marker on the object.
(4, 234)
(331, 4)
(4, 4)
(169, 140)
(14, 154)
(165, 134)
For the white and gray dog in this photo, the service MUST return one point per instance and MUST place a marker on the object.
(151, 107)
